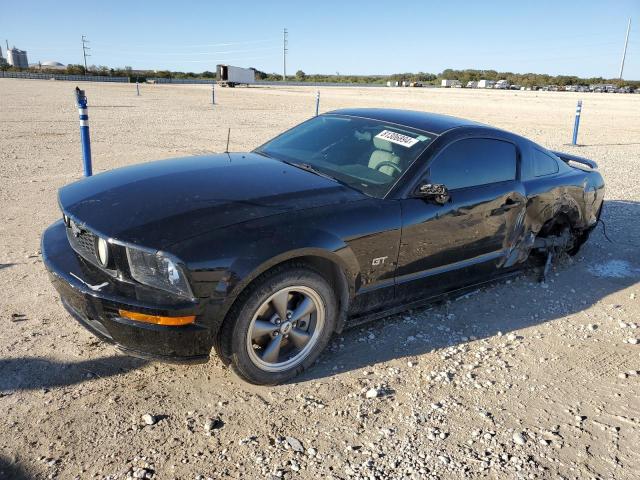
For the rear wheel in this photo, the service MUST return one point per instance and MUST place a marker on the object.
(279, 326)
(579, 239)
(559, 227)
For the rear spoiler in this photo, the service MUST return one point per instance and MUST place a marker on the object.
(567, 158)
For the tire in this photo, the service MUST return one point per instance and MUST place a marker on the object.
(254, 329)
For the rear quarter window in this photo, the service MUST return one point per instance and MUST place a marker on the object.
(543, 164)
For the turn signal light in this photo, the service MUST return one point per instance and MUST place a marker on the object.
(156, 319)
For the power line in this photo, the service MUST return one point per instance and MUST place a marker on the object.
(189, 54)
(624, 51)
(228, 44)
(284, 55)
(196, 45)
(514, 49)
(84, 52)
(231, 59)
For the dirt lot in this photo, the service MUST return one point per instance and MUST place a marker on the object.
(519, 380)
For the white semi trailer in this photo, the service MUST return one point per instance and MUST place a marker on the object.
(230, 76)
(451, 84)
(486, 84)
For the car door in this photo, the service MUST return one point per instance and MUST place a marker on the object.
(446, 246)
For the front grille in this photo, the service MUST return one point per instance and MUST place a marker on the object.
(83, 242)
(86, 243)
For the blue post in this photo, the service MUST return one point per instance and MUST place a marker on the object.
(137, 88)
(576, 124)
(317, 102)
(213, 94)
(81, 101)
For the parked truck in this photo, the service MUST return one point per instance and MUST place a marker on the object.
(230, 76)
(451, 83)
(486, 84)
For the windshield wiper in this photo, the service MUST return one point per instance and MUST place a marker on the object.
(312, 169)
(308, 168)
(260, 152)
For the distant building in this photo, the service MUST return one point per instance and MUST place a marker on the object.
(2, 59)
(51, 65)
(17, 58)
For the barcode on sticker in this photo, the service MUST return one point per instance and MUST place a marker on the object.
(397, 138)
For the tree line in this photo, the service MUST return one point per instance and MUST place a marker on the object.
(464, 76)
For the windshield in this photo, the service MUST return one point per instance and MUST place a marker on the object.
(368, 155)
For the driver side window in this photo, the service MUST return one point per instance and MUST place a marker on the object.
(472, 162)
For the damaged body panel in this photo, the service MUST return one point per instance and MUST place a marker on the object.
(490, 227)
(405, 207)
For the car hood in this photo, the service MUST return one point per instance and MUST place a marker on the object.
(160, 203)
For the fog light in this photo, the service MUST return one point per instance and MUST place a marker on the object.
(156, 319)
(103, 252)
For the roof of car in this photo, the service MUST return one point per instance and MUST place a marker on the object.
(429, 122)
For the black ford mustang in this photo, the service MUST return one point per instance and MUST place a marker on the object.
(353, 214)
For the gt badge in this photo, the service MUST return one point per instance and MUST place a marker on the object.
(378, 261)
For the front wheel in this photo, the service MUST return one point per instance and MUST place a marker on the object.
(280, 325)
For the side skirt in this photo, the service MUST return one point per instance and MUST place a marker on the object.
(354, 321)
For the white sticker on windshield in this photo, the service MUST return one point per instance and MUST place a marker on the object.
(397, 138)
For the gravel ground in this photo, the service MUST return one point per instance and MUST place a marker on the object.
(518, 380)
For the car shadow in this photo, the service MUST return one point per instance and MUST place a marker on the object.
(600, 269)
(12, 470)
(609, 144)
(35, 373)
(112, 106)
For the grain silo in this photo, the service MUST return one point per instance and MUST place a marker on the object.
(17, 58)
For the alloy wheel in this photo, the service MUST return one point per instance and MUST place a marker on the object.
(285, 328)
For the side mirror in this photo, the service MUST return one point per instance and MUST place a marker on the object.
(434, 192)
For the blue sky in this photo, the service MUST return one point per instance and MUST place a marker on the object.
(351, 37)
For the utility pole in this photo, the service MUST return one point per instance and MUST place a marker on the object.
(284, 55)
(624, 52)
(84, 53)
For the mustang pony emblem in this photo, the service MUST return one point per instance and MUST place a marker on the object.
(75, 230)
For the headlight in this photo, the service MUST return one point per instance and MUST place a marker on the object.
(159, 271)
(102, 251)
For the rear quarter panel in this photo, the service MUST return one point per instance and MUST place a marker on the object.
(575, 192)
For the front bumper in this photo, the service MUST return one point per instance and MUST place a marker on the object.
(93, 298)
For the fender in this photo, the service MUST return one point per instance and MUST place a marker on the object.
(230, 259)
(246, 269)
